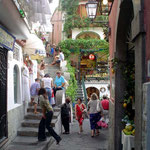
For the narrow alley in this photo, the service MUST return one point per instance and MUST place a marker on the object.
(62, 61)
(83, 141)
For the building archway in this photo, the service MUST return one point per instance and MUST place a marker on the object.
(88, 35)
(124, 52)
(91, 90)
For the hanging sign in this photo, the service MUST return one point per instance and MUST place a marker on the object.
(7, 40)
(91, 57)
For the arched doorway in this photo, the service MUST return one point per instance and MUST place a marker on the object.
(124, 56)
(91, 90)
(88, 35)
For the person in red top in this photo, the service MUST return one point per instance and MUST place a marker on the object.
(79, 109)
(105, 103)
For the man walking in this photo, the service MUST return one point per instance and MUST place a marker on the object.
(34, 89)
(65, 115)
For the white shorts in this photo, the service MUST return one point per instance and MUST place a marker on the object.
(35, 99)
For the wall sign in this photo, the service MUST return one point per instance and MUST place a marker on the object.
(7, 40)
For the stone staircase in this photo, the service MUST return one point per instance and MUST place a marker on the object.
(52, 69)
(27, 134)
(80, 91)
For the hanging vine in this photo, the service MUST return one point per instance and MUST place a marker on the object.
(73, 20)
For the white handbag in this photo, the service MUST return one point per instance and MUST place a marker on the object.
(98, 108)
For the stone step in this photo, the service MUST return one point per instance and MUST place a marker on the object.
(35, 123)
(31, 115)
(23, 140)
(30, 143)
(80, 91)
(29, 132)
(31, 109)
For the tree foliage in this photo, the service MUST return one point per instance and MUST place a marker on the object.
(71, 45)
(71, 90)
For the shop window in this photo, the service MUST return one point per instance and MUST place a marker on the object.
(16, 83)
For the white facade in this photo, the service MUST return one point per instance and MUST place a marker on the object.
(10, 79)
(98, 30)
(99, 85)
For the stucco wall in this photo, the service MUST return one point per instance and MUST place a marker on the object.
(147, 29)
(99, 85)
(56, 22)
(10, 80)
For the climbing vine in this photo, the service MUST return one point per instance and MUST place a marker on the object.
(73, 20)
(68, 46)
(71, 90)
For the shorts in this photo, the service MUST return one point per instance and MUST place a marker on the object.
(57, 61)
(35, 99)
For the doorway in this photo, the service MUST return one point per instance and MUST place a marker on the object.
(3, 95)
(91, 90)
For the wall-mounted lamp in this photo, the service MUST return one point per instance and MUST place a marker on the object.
(93, 5)
(91, 8)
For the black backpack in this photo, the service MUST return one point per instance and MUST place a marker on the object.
(64, 111)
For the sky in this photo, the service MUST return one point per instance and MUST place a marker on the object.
(53, 5)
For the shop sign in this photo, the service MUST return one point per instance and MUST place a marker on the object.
(7, 40)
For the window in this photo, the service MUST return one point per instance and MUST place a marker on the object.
(16, 83)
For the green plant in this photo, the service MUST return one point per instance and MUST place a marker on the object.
(68, 46)
(71, 90)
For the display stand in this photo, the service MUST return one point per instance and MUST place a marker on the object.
(127, 141)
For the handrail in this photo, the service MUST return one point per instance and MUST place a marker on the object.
(84, 91)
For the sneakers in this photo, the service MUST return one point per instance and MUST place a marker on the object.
(66, 133)
(58, 141)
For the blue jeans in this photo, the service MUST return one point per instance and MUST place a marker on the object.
(49, 94)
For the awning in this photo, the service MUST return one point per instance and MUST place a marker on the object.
(34, 46)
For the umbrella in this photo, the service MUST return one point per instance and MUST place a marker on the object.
(34, 46)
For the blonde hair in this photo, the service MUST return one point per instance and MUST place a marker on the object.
(94, 96)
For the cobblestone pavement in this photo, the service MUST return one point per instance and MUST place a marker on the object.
(84, 141)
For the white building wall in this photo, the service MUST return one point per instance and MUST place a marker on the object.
(99, 85)
(97, 30)
(10, 80)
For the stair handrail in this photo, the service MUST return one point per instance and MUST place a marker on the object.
(84, 91)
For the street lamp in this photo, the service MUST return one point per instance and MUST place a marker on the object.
(91, 8)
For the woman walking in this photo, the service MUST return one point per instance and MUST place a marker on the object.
(95, 114)
(79, 109)
(47, 112)
(47, 83)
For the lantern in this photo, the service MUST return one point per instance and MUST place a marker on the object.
(91, 57)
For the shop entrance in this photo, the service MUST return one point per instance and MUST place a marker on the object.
(124, 74)
(91, 90)
(3, 94)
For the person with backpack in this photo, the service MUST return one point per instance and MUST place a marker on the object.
(65, 115)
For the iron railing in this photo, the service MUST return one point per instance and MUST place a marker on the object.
(84, 91)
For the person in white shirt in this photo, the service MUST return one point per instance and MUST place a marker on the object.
(47, 83)
(58, 58)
